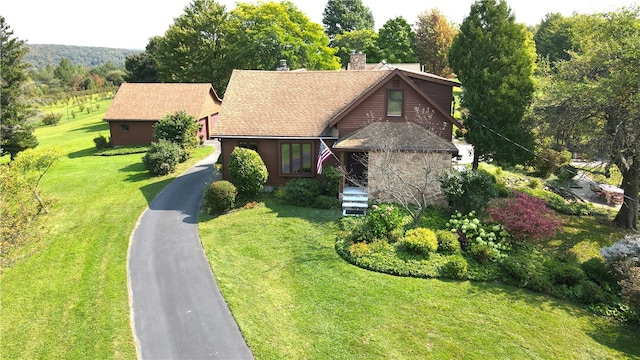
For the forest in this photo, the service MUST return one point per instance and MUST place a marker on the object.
(41, 55)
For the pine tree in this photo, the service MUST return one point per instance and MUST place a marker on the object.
(16, 133)
(494, 59)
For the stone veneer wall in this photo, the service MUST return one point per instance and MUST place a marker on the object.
(412, 167)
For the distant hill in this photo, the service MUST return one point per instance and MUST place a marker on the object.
(42, 55)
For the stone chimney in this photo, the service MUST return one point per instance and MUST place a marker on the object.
(357, 61)
(283, 66)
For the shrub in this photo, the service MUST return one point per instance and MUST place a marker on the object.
(486, 241)
(525, 217)
(247, 170)
(382, 220)
(448, 243)
(588, 292)
(330, 182)
(623, 259)
(454, 268)
(558, 203)
(567, 274)
(527, 269)
(325, 202)
(220, 197)
(162, 157)
(179, 128)
(51, 119)
(102, 142)
(420, 240)
(468, 190)
(566, 172)
(434, 218)
(549, 160)
(301, 191)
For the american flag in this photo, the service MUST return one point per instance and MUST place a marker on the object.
(323, 154)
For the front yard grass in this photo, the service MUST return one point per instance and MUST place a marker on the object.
(294, 297)
(67, 297)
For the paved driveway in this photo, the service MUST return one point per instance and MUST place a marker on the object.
(177, 309)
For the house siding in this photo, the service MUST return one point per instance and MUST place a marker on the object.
(138, 133)
(375, 106)
(269, 150)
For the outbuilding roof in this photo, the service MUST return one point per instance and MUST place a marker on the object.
(152, 101)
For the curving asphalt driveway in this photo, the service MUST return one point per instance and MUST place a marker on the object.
(176, 307)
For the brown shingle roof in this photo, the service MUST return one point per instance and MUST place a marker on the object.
(396, 136)
(152, 101)
(289, 103)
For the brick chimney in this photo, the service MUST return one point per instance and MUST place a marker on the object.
(357, 61)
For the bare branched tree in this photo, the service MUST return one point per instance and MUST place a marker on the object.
(403, 161)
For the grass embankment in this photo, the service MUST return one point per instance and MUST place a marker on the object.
(294, 297)
(68, 299)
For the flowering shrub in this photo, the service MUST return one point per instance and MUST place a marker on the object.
(486, 242)
(525, 217)
(626, 249)
(382, 220)
(623, 258)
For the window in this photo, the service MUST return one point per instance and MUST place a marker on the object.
(124, 127)
(295, 158)
(395, 102)
(251, 145)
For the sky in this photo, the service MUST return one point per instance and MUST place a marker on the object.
(129, 24)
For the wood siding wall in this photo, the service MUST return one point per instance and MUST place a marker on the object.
(139, 133)
(269, 150)
(376, 106)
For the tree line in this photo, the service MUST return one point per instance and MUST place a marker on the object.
(41, 55)
(207, 41)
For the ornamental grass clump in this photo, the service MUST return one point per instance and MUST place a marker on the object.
(526, 217)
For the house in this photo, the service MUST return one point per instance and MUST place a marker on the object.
(136, 108)
(283, 114)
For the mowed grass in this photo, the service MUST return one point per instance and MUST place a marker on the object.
(67, 298)
(295, 298)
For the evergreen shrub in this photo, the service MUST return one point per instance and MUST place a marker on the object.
(247, 170)
(220, 197)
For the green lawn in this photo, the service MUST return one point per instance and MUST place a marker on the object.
(68, 299)
(294, 297)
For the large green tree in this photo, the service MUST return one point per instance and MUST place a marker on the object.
(396, 41)
(261, 35)
(16, 133)
(356, 40)
(193, 48)
(554, 38)
(591, 104)
(143, 67)
(434, 34)
(494, 59)
(341, 16)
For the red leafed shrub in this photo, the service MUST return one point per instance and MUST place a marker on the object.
(526, 217)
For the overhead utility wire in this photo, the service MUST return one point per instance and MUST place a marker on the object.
(539, 156)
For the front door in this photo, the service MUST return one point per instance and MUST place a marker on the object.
(357, 169)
